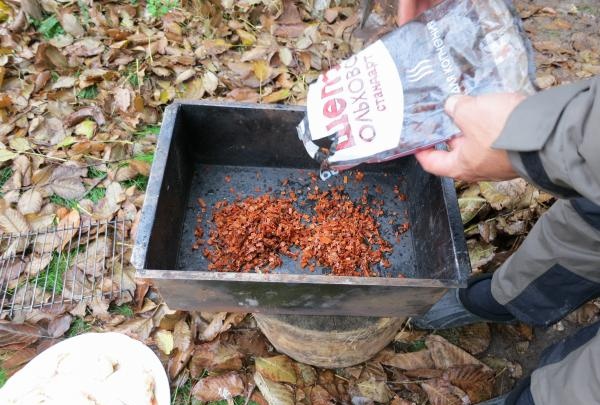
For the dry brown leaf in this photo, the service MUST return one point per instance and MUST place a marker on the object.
(446, 355)
(275, 393)
(407, 361)
(220, 387)
(12, 221)
(59, 325)
(377, 391)
(320, 396)
(182, 335)
(15, 336)
(261, 70)
(474, 380)
(215, 356)
(164, 341)
(93, 112)
(178, 360)
(306, 374)
(30, 202)
(441, 392)
(277, 368)
(122, 98)
(18, 358)
(475, 338)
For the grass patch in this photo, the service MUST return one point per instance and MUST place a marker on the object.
(144, 157)
(148, 130)
(4, 176)
(183, 395)
(96, 194)
(124, 310)
(56, 270)
(95, 173)
(3, 377)
(78, 326)
(49, 27)
(65, 202)
(416, 346)
(158, 8)
(89, 93)
(140, 182)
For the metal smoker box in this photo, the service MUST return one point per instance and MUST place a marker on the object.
(215, 151)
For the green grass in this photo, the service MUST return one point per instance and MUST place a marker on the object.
(54, 76)
(96, 194)
(49, 27)
(65, 202)
(3, 377)
(131, 73)
(78, 326)
(140, 182)
(158, 8)
(89, 93)
(148, 130)
(4, 176)
(95, 173)
(417, 346)
(144, 157)
(124, 310)
(56, 270)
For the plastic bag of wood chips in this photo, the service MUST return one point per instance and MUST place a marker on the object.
(388, 100)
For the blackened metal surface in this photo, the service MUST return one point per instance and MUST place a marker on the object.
(202, 143)
(215, 183)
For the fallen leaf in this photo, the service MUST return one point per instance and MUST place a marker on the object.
(15, 336)
(182, 335)
(275, 393)
(164, 341)
(474, 380)
(18, 358)
(59, 325)
(83, 113)
(475, 338)
(320, 396)
(306, 374)
(407, 361)
(261, 70)
(441, 392)
(30, 202)
(220, 387)
(215, 356)
(12, 221)
(276, 96)
(446, 355)
(277, 368)
(378, 391)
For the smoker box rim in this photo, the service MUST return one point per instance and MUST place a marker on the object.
(294, 278)
(138, 257)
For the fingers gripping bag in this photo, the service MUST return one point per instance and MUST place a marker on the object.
(388, 100)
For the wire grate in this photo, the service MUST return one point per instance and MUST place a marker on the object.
(62, 265)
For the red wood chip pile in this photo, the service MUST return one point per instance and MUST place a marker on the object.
(253, 233)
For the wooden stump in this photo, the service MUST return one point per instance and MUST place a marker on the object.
(328, 341)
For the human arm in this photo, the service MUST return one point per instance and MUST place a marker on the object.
(551, 138)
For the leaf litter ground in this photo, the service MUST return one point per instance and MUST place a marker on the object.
(82, 90)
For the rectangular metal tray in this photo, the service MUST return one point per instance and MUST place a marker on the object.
(218, 151)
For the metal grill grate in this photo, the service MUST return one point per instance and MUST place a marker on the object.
(63, 265)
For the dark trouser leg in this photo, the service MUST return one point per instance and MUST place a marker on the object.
(557, 268)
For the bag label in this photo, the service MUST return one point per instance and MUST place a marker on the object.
(359, 102)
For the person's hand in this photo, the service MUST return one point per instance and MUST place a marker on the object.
(470, 156)
(409, 9)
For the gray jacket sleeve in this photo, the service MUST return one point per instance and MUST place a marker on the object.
(553, 140)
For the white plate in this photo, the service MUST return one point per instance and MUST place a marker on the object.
(91, 349)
